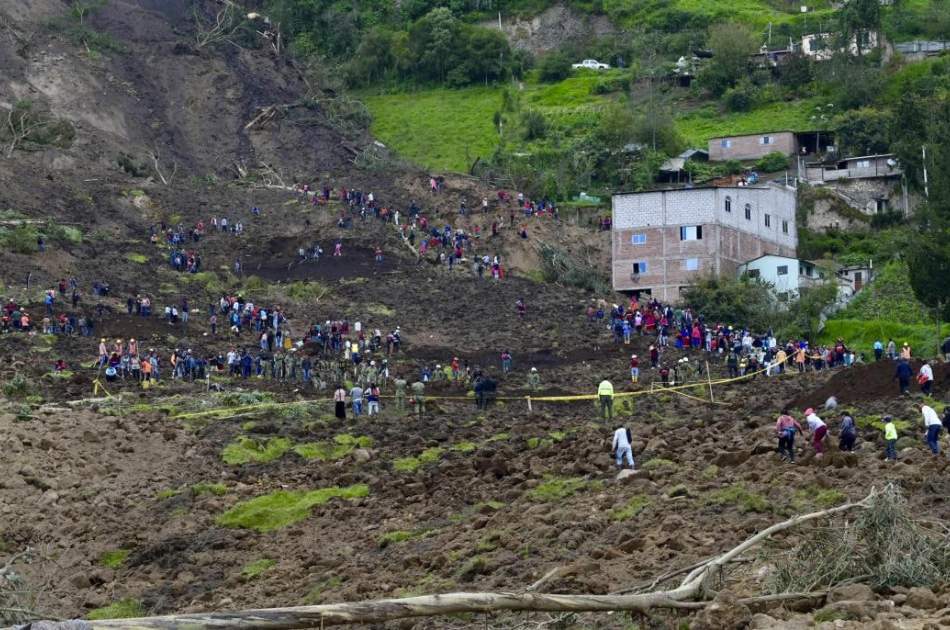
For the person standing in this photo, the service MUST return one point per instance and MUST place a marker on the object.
(786, 427)
(848, 433)
(372, 397)
(818, 430)
(878, 350)
(903, 375)
(622, 448)
(890, 439)
(400, 384)
(605, 392)
(926, 378)
(933, 426)
(339, 400)
(418, 397)
(356, 398)
(534, 379)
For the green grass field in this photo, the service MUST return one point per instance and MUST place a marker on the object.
(698, 126)
(861, 335)
(439, 128)
(447, 130)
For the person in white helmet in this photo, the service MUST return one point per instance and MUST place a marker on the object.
(534, 379)
(634, 368)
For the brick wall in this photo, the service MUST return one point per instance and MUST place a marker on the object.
(751, 148)
(729, 239)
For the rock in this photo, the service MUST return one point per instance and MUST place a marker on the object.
(731, 458)
(89, 436)
(724, 612)
(923, 599)
(762, 622)
(362, 455)
(677, 491)
(851, 592)
(762, 448)
(80, 581)
(628, 473)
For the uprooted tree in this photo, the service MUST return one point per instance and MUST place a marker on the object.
(885, 545)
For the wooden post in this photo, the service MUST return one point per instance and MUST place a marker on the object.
(529, 403)
(709, 380)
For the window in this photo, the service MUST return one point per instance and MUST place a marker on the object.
(691, 233)
(638, 239)
(748, 212)
(863, 164)
(782, 270)
(753, 273)
(640, 267)
(725, 144)
(728, 204)
(784, 227)
(768, 220)
(691, 264)
(766, 140)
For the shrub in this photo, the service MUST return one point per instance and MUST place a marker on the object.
(246, 450)
(114, 559)
(217, 489)
(772, 162)
(21, 239)
(534, 126)
(630, 509)
(741, 98)
(558, 488)
(257, 568)
(738, 495)
(554, 67)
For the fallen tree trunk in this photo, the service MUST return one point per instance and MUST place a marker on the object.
(696, 585)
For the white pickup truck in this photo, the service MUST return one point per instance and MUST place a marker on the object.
(590, 64)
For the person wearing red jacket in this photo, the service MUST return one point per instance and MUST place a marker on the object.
(634, 368)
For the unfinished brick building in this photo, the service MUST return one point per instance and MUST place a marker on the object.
(663, 240)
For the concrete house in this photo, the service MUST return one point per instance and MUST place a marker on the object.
(883, 165)
(662, 241)
(857, 276)
(753, 147)
(788, 275)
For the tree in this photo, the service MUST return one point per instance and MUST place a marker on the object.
(553, 67)
(434, 42)
(857, 18)
(929, 258)
(863, 131)
(732, 46)
(797, 71)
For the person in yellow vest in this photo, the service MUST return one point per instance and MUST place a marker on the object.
(605, 391)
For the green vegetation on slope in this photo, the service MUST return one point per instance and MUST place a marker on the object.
(438, 128)
(279, 509)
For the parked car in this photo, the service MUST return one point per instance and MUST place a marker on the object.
(590, 64)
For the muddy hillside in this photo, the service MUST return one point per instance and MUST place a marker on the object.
(191, 254)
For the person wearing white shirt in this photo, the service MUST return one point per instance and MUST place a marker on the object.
(926, 378)
(818, 430)
(933, 426)
(622, 448)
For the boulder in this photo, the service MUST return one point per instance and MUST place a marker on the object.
(851, 592)
(923, 599)
(726, 611)
(731, 458)
(627, 474)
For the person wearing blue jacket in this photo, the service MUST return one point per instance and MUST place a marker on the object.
(903, 375)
